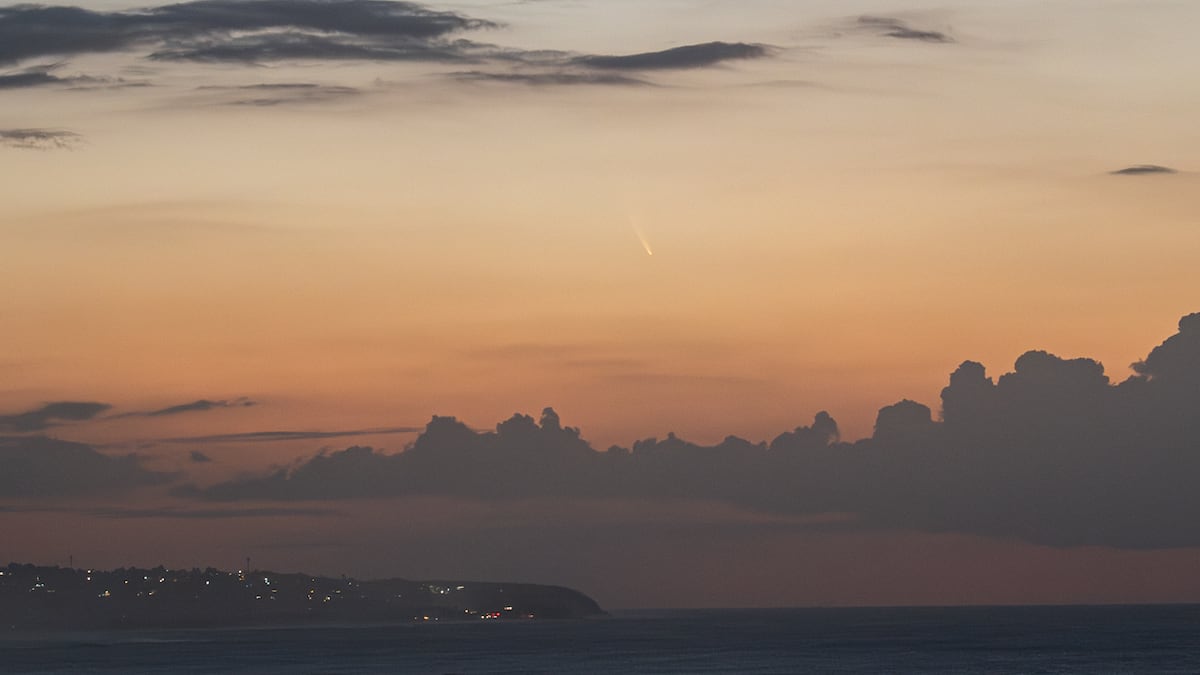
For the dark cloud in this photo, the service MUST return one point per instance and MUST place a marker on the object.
(891, 27)
(36, 466)
(37, 76)
(44, 76)
(687, 56)
(168, 512)
(271, 436)
(551, 78)
(239, 30)
(301, 46)
(39, 139)
(201, 405)
(48, 415)
(1050, 453)
(1143, 170)
(199, 457)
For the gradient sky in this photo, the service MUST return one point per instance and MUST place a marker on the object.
(883, 190)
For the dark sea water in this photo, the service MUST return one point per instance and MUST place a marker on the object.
(1162, 639)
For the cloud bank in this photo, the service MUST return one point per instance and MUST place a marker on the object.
(1050, 453)
(37, 466)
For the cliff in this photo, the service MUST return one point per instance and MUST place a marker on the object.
(50, 598)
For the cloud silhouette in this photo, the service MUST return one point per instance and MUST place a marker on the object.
(1050, 453)
(201, 405)
(37, 466)
(892, 27)
(551, 78)
(1143, 170)
(199, 457)
(175, 513)
(687, 56)
(238, 30)
(284, 93)
(48, 415)
(39, 139)
(273, 436)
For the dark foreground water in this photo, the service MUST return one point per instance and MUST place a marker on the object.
(1163, 639)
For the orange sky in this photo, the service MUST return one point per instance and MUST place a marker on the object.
(834, 227)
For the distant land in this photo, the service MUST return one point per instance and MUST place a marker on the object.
(62, 598)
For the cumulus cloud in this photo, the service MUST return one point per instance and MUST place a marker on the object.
(687, 56)
(50, 414)
(39, 139)
(37, 466)
(892, 27)
(1143, 170)
(1051, 453)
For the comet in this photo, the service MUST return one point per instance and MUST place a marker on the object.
(640, 235)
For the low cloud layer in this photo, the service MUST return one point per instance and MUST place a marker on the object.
(39, 139)
(37, 466)
(1050, 453)
(202, 405)
(1144, 170)
(273, 436)
(687, 56)
(51, 414)
(547, 79)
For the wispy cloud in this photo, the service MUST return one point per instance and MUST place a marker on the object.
(551, 78)
(50, 414)
(1144, 170)
(39, 139)
(891, 27)
(273, 436)
(687, 56)
(201, 405)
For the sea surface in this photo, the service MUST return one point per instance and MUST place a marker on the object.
(1153, 639)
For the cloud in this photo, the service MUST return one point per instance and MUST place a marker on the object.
(272, 436)
(201, 405)
(199, 457)
(43, 76)
(239, 30)
(1143, 170)
(37, 466)
(891, 27)
(551, 78)
(687, 56)
(287, 93)
(46, 416)
(39, 139)
(1050, 453)
(175, 513)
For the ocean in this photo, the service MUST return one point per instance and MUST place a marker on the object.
(962, 640)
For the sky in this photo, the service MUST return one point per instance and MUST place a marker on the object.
(255, 254)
